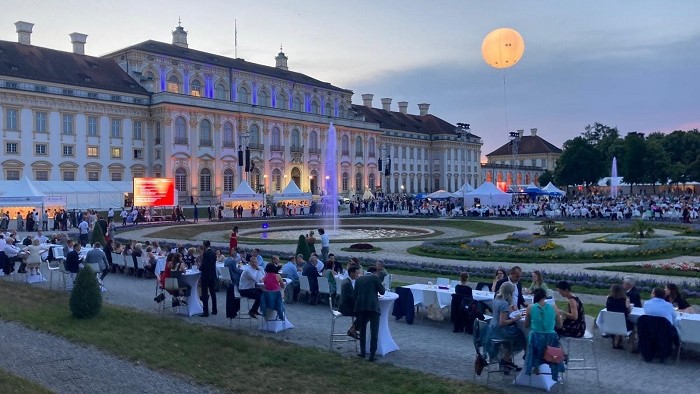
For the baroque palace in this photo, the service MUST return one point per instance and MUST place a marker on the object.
(165, 110)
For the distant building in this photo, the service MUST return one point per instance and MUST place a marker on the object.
(166, 110)
(511, 171)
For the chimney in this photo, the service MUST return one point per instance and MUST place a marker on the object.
(78, 40)
(403, 107)
(423, 108)
(386, 104)
(24, 32)
(533, 132)
(281, 61)
(367, 100)
(180, 36)
(521, 133)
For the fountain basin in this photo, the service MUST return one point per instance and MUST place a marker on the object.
(345, 233)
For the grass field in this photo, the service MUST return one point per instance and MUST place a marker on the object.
(13, 384)
(229, 360)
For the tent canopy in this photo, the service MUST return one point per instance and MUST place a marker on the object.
(74, 194)
(532, 189)
(367, 195)
(466, 188)
(292, 193)
(553, 190)
(440, 194)
(488, 194)
(243, 193)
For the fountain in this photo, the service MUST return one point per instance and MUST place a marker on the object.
(330, 194)
(614, 181)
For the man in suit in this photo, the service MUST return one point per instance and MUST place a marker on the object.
(72, 263)
(632, 292)
(97, 256)
(309, 270)
(208, 270)
(514, 277)
(347, 301)
(367, 309)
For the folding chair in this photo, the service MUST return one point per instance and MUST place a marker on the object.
(586, 339)
(339, 336)
(304, 285)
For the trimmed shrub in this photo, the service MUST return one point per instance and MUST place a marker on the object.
(86, 298)
(303, 248)
(361, 246)
(98, 235)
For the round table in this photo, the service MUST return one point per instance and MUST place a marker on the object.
(193, 305)
(385, 343)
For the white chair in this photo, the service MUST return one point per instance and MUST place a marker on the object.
(443, 282)
(173, 287)
(54, 265)
(323, 286)
(339, 336)
(430, 298)
(225, 276)
(454, 282)
(689, 332)
(242, 315)
(613, 323)
(586, 339)
(304, 285)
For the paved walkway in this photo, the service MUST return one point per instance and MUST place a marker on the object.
(66, 367)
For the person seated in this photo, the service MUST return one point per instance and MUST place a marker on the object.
(674, 296)
(463, 288)
(177, 268)
(189, 258)
(310, 271)
(463, 309)
(165, 274)
(347, 301)
(220, 257)
(514, 276)
(234, 263)
(136, 254)
(248, 288)
(574, 324)
(628, 283)
(500, 274)
(329, 274)
(149, 267)
(617, 301)
(537, 283)
(72, 263)
(658, 306)
(272, 280)
(13, 254)
(541, 318)
(504, 327)
(290, 270)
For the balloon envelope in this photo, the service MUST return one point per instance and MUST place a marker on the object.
(502, 48)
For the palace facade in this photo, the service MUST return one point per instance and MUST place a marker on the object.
(165, 110)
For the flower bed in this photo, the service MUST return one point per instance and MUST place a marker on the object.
(685, 269)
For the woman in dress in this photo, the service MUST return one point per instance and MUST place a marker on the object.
(505, 327)
(177, 268)
(311, 241)
(219, 256)
(617, 301)
(33, 260)
(574, 319)
(674, 296)
(233, 240)
(329, 274)
(537, 282)
(272, 280)
(541, 318)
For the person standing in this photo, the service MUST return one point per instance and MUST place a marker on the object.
(233, 241)
(367, 309)
(72, 263)
(84, 229)
(325, 244)
(210, 212)
(195, 214)
(208, 269)
(110, 215)
(124, 214)
(45, 220)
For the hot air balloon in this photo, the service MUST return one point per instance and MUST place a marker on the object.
(502, 48)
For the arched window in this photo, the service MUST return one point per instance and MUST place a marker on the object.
(150, 81)
(205, 133)
(196, 88)
(341, 112)
(296, 139)
(228, 136)
(358, 182)
(296, 176)
(276, 142)
(296, 104)
(358, 146)
(205, 180)
(345, 145)
(181, 180)
(277, 180)
(313, 141)
(180, 131)
(174, 85)
(229, 179)
(370, 147)
(255, 181)
(371, 181)
(243, 95)
(220, 92)
(346, 180)
(263, 98)
(329, 110)
(282, 101)
(254, 134)
(315, 108)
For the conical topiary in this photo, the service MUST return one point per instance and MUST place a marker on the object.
(303, 248)
(98, 235)
(86, 298)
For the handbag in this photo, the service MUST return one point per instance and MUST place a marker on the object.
(554, 355)
(479, 364)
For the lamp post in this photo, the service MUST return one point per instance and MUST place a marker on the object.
(515, 145)
(264, 188)
(463, 133)
(311, 178)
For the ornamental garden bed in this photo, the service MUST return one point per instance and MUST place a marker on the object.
(686, 269)
(361, 247)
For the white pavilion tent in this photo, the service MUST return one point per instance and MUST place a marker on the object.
(466, 188)
(292, 193)
(243, 196)
(440, 194)
(488, 194)
(553, 190)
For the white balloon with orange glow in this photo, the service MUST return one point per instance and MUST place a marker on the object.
(502, 48)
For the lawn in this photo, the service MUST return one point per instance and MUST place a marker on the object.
(243, 363)
(13, 384)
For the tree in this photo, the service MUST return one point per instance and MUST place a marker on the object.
(656, 163)
(546, 177)
(580, 162)
(98, 235)
(86, 297)
(635, 152)
(303, 248)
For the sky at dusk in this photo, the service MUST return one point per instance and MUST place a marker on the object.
(633, 65)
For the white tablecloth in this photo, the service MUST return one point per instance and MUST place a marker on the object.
(160, 265)
(635, 313)
(193, 305)
(385, 342)
(444, 296)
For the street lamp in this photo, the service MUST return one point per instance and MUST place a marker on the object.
(463, 132)
(311, 178)
(264, 188)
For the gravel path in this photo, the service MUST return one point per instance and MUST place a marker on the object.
(66, 367)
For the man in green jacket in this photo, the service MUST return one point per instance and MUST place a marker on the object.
(365, 293)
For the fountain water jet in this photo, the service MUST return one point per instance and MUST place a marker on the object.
(614, 182)
(330, 194)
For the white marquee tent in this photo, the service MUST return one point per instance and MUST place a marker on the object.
(100, 195)
(440, 194)
(292, 193)
(488, 194)
(553, 190)
(243, 193)
(466, 188)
